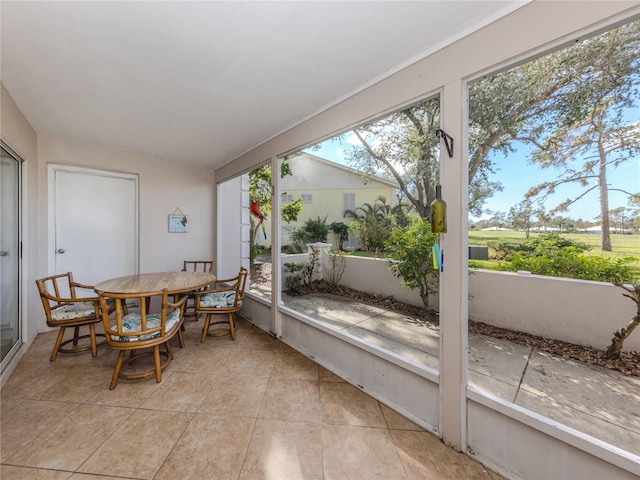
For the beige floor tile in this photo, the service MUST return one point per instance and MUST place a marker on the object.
(256, 339)
(40, 349)
(291, 400)
(257, 363)
(359, 452)
(284, 348)
(425, 457)
(28, 420)
(73, 439)
(203, 358)
(130, 394)
(295, 366)
(30, 380)
(181, 392)
(239, 396)
(344, 404)
(325, 375)
(212, 447)
(78, 385)
(284, 450)
(9, 472)
(139, 447)
(398, 422)
(86, 476)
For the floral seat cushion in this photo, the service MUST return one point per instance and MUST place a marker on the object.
(218, 300)
(72, 310)
(131, 323)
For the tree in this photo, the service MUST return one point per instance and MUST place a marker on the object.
(411, 257)
(341, 231)
(260, 191)
(497, 219)
(521, 216)
(617, 216)
(633, 211)
(311, 232)
(593, 132)
(372, 223)
(403, 146)
(632, 291)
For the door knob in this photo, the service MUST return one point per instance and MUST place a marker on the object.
(61, 250)
(3, 253)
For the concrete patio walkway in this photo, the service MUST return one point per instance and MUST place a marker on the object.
(600, 402)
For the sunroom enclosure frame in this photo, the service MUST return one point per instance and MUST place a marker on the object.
(512, 440)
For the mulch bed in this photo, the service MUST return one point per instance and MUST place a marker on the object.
(628, 363)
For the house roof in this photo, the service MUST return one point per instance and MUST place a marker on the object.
(204, 82)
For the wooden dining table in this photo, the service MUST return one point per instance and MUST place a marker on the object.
(174, 282)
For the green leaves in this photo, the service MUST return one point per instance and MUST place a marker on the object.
(411, 257)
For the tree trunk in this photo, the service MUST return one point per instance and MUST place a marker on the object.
(619, 336)
(253, 230)
(604, 199)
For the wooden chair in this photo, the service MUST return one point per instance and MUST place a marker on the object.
(195, 266)
(198, 266)
(135, 331)
(225, 297)
(64, 308)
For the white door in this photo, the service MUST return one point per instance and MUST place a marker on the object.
(94, 217)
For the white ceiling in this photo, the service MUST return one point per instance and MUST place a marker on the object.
(203, 82)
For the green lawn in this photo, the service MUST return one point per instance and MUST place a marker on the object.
(622, 245)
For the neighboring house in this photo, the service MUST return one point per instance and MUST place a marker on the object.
(327, 189)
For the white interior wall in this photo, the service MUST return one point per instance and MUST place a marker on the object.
(164, 185)
(16, 131)
(233, 227)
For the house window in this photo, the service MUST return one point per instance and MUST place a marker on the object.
(348, 202)
(286, 197)
(306, 197)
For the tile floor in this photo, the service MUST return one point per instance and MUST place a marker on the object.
(249, 409)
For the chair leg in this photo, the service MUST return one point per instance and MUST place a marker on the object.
(56, 346)
(116, 370)
(76, 336)
(181, 337)
(232, 325)
(92, 336)
(156, 361)
(207, 321)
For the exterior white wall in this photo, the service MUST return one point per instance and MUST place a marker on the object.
(373, 275)
(576, 311)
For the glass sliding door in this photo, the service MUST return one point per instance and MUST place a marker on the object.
(10, 255)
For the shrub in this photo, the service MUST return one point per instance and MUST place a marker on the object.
(555, 256)
(338, 264)
(411, 257)
(293, 282)
(312, 231)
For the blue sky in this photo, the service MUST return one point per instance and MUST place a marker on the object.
(517, 176)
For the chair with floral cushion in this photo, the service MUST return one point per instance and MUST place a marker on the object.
(195, 266)
(223, 298)
(64, 308)
(139, 331)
